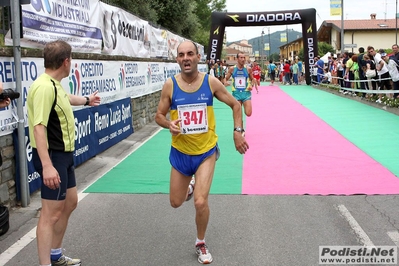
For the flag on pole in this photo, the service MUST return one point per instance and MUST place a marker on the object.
(283, 37)
(335, 7)
(267, 47)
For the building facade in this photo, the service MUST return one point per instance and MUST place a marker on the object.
(379, 33)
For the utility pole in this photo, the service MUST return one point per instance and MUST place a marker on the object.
(16, 33)
(286, 32)
(342, 27)
(270, 44)
(262, 48)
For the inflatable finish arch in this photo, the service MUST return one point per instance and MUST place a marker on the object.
(307, 17)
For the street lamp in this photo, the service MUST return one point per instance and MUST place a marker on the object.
(263, 41)
(270, 44)
(286, 32)
(261, 51)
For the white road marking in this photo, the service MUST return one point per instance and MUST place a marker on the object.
(8, 254)
(364, 238)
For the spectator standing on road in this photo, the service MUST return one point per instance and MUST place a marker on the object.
(4, 102)
(349, 74)
(393, 71)
(300, 71)
(362, 75)
(194, 148)
(295, 72)
(52, 136)
(369, 72)
(272, 70)
(333, 70)
(287, 72)
(382, 71)
(395, 50)
(346, 57)
(340, 71)
(320, 69)
(212, 71)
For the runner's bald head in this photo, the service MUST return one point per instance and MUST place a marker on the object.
(188, 41)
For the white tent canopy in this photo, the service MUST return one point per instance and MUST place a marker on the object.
(325, 57)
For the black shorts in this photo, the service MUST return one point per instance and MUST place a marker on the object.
(63, 163)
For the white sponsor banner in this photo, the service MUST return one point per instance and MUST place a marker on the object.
(124, 33)
(72, 21)
(91, 26)
(173, 42)
(159, 43)
(114, 80)
(201, 51)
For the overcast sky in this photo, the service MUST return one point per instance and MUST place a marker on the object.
(353, 9)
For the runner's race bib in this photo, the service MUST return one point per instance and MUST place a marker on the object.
(239, 83)
(194, 118)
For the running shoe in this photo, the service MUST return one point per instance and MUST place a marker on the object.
(192, 185)
(204, 256)
(65, 261)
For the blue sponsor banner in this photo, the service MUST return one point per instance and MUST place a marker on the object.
(96, 129)
(101, 127)
(34, 180)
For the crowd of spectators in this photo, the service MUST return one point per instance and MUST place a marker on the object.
(369, 73)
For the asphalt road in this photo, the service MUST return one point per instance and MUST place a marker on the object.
(134, 229)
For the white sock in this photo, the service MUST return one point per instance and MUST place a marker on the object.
(199, 241)
(56, 251)
(45, 264)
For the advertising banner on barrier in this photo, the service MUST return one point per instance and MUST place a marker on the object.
(159, 43)
(173, 42)
(72, 21)
(91, 26)
(125, 34)
(114, 80)
(97, 129)
(34, 180)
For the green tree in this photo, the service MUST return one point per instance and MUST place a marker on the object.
(140, 8)
(204, 11)
(190, 19)
(324, 48)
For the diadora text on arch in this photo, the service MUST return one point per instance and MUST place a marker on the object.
(289, 16)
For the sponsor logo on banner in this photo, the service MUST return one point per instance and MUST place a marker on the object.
(122, 77)
(94, 78)
(134, 77)
(155, 74)
(74, 80)
(289, 16)
(234, 17)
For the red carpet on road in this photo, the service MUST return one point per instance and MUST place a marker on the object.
(292, 151)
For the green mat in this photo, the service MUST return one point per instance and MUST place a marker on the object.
(373, 130)
(147, 170)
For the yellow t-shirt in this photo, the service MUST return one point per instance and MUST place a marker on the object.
(59, 122)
